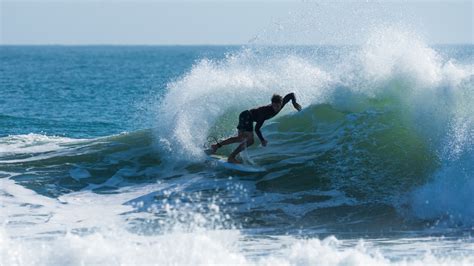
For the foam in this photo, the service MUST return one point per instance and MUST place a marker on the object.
(207, 247)
(33, 143)
(85, 228)
(390, 52)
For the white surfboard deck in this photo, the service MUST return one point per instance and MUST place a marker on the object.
(247, 168)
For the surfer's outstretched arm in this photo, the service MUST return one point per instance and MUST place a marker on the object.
(292, 97)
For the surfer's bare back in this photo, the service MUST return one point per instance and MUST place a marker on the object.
(258, 115)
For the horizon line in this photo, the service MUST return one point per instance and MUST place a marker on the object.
(204, 44)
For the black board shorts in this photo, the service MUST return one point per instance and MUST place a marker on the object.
(245, 121)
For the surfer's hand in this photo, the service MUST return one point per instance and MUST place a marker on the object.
(264, 143)
(297, 106)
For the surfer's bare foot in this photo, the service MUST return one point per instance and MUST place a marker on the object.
(214, 148)
(233, 160)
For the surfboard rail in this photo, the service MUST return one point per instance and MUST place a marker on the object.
(247, 168)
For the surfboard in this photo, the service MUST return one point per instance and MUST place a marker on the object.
(247, 168)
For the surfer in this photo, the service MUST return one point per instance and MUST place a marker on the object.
(245, 127)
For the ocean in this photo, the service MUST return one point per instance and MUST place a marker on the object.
(102, 155)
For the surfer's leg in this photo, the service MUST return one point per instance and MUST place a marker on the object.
(247, 141)
(245, 128)
(241, 147)
(238, 138)
(250, 141)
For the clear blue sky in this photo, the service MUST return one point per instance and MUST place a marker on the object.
(227, 22)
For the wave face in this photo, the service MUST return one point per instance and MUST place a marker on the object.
(383, 146)
(388, 122)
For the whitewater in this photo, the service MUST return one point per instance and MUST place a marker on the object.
(103, 162)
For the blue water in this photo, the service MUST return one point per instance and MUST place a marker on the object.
(101, 155)
(88, 91)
